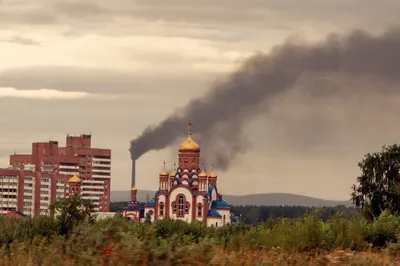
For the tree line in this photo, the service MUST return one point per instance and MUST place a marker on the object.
(251, 214)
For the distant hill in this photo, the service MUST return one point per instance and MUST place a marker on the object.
(255, 199)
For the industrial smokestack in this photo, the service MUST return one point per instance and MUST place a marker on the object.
(133, 181)
(220, 116)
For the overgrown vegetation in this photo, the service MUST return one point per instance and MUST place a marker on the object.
(42, 241)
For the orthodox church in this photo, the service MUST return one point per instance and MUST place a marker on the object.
(188, 193)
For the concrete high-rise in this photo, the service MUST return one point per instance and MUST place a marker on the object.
(33, 181)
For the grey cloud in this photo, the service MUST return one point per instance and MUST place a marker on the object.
(97, 80)
(20, 40)
(227, 15)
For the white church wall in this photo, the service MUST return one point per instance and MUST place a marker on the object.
(199, 199)
(104, 215)
(132, 214)
(214, 195)
(188, 195)
(161, 199)
(227, 214)
(214, 221)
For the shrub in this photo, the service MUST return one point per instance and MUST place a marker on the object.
(114, 241)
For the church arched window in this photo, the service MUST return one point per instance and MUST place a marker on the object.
(181, 203)
(161, 209)
(199, 209)
(174, 207)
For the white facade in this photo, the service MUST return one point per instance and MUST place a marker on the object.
(8, 194)
(29, 196)
(179, 211)
(45, 195)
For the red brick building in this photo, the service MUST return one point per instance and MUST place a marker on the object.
(34, 180)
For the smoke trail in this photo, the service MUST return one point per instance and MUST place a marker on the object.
(219, 116)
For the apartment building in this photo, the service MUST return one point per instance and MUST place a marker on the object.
(33, 181)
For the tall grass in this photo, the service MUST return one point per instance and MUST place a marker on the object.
(114, 241)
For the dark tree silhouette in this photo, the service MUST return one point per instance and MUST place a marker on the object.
(72, 211)
(378, 185)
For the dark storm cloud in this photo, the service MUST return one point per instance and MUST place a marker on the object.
(221, 115)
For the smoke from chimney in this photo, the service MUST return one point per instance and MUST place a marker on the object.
(220, 115)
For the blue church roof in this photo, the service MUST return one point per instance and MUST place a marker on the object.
(219, 204)
(150, 204)
(132, 208)
(213, 213)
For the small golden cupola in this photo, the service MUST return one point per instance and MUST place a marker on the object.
(74, 179)
(189, 145)
(164, 172)
(203, 174)
(173, 173)
(212, 174)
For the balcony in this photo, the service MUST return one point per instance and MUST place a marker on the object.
(95, 159)
(101, 171)
(101, 176)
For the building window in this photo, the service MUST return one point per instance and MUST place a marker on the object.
(216, 224)
(174, 207)
(199, 210)
(161, 209)
(186, 208)
(181, 202)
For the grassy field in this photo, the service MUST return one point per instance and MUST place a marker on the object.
(220, 257)
(305, 241)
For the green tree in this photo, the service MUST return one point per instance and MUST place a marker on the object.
(378, 187)
(72, 211)
(147, 218)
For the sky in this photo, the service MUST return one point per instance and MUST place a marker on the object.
(113, 68)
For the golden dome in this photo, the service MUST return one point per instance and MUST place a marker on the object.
(202, 174)
(74, 179)
(164, 173)
(134, 189)
(189, 144)
(173, 173)
(212, 174)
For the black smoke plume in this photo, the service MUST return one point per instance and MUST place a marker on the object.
(220, 116)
